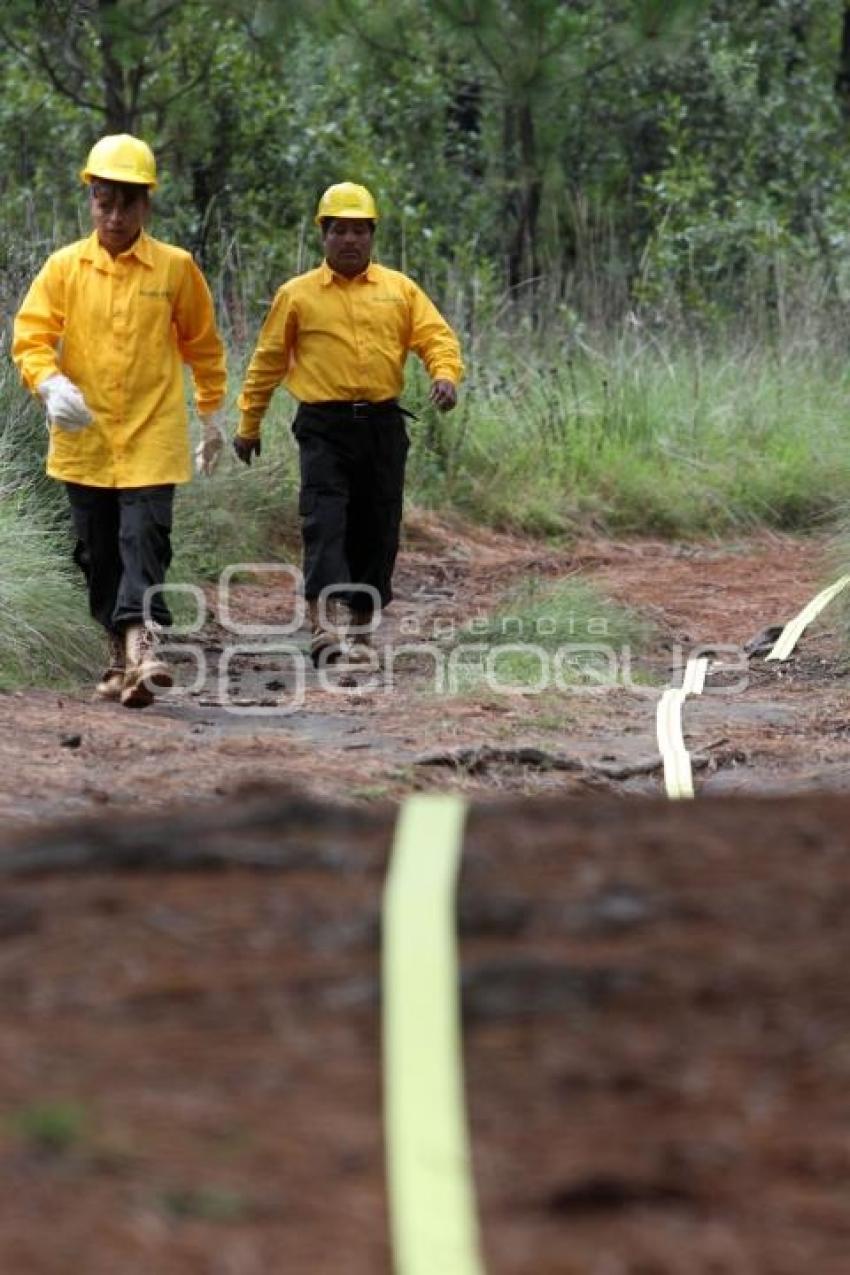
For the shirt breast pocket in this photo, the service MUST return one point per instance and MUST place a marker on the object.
(388, 314)
(155, 319)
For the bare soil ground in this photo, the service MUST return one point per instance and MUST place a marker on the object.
(655, 1016)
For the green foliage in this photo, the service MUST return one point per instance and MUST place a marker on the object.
(243, 513)
(753, 180)
(210, 1204)
(642, 433)
(678, 156)
(51, 1127)
(569, 611)
(45, 632)
(567, 625)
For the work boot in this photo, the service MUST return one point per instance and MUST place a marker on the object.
(326, 644)
(145, 668)
(360, 646)
(111, 683)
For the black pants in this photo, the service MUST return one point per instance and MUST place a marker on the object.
(123, 548)
(352, 485)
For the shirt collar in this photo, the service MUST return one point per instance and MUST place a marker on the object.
(141, 250)
(369, 275)
(94, 251)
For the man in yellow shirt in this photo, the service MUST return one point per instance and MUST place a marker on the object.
(101, 338)
(337, 338)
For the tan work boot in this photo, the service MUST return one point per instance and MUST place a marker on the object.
(360, 646)
(145, 668)
(111, 683)
(326, 644)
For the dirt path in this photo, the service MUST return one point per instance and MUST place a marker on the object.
(260, 727)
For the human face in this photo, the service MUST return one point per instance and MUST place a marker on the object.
(118, 211)
(348, 244)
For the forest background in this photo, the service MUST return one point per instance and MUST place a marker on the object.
(636, 214)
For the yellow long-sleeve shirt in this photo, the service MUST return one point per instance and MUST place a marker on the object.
(331, 338)
(121, 330)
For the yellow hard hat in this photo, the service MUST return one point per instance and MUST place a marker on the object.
(121, 158)
(346, 199)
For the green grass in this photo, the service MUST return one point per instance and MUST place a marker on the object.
(628, 436)
(548, 634)
(46, 636)
(52, 1127)
(244, 513)
(208, 1204)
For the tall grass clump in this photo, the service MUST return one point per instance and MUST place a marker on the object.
(46, 635)
(548, 633)
(636, 427)
(243, 513)
(45, 631)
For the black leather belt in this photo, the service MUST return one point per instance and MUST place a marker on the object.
(357, 409)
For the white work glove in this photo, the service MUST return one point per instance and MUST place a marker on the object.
(65, 405)
(209, 449)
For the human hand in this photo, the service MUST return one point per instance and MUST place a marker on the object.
(245, 448)
(208, 452)
(443, 395)
(65, 404)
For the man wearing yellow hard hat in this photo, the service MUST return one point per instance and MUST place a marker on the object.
(337, 338)
(101, 338)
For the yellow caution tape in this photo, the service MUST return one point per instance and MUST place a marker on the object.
(790, 635)
(678, 773)
(431, 1194)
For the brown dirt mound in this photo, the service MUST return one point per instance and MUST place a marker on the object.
(655, 1028)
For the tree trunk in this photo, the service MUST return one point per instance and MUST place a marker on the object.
(799, 46)
(510, 208)
(209, 174)
(120, 115)
(842, 76)
(523, 256)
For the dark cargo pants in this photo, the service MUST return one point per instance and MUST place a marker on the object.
(352, 483)
(123, 548)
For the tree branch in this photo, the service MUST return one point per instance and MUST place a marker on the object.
(159, 104)
(42, 60)
(354, 28)
(474, 760)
